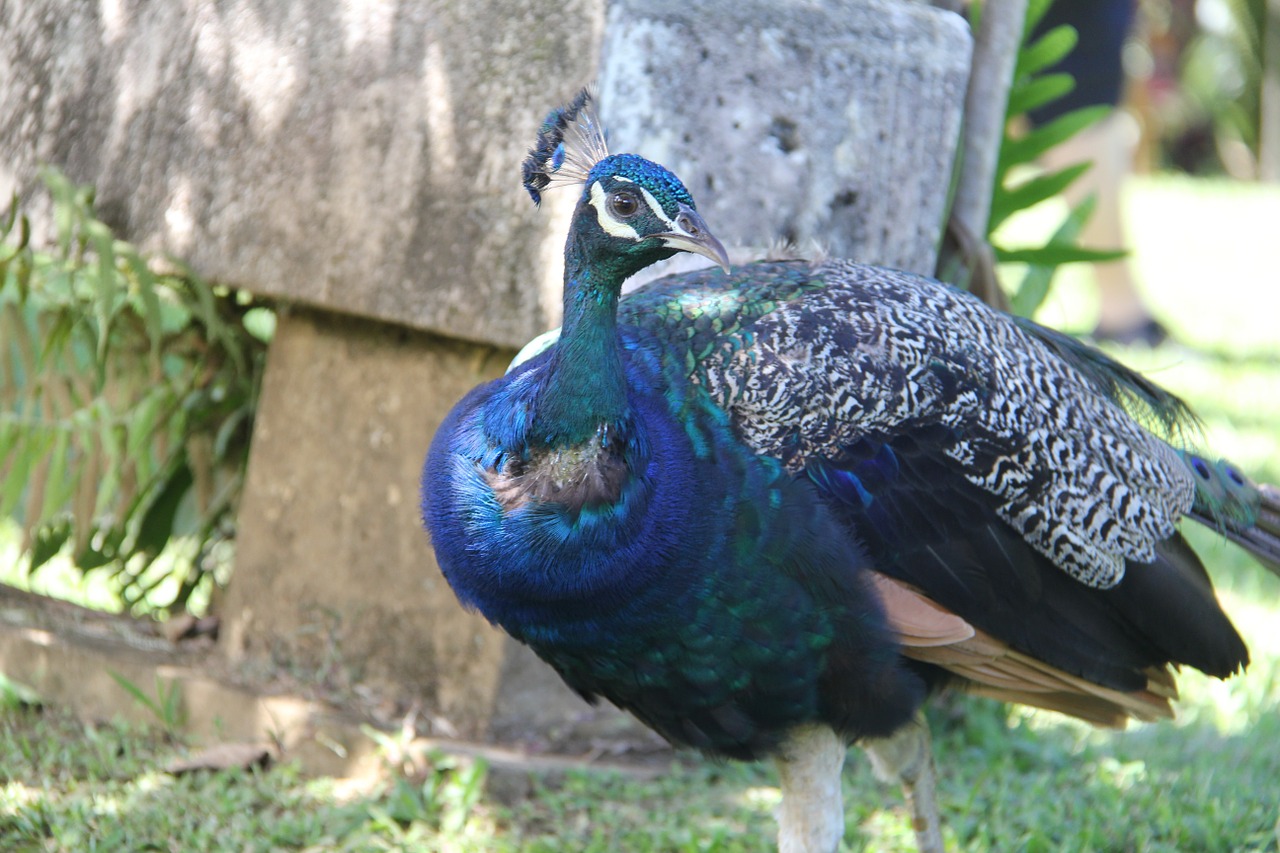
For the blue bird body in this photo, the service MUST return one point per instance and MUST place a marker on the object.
(747, 501)
(700, 586)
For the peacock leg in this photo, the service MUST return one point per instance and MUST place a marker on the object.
(906, 757)
(811, 817)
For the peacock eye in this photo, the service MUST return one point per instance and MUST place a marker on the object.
(624, 204)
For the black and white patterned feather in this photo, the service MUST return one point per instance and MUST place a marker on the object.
(874, 353)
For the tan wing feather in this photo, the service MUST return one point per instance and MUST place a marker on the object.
(919, 621)
(932, 634)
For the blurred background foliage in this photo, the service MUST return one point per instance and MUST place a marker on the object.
(127, 392)
(1203, 76)
(1205, 82)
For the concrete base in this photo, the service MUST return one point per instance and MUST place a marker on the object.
(335, 579)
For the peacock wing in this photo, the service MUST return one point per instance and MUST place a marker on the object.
(808, 360)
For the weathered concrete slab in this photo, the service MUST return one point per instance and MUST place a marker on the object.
(828, 122)
(363, 156)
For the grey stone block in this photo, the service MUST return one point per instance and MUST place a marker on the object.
(364, 157)
(833, 123)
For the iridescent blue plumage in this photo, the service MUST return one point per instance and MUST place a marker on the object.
(708, 596)
(665, 186)
(746, 501)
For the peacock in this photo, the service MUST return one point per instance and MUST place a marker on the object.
(770, 508)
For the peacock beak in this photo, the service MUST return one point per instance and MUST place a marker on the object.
(691, 234)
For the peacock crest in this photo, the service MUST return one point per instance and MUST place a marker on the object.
(570, 144)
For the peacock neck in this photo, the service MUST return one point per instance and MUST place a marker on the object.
(586, 391)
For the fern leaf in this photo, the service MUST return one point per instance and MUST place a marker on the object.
(1032, 192)
(1045, 52)
(1031, 293)
(1037, 142)
(1039, 91)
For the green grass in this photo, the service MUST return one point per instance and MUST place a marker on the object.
(1015, 780)
(75, 787)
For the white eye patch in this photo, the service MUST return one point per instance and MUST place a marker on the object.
(616, 227)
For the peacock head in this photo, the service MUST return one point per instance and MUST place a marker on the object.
(632, 212)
